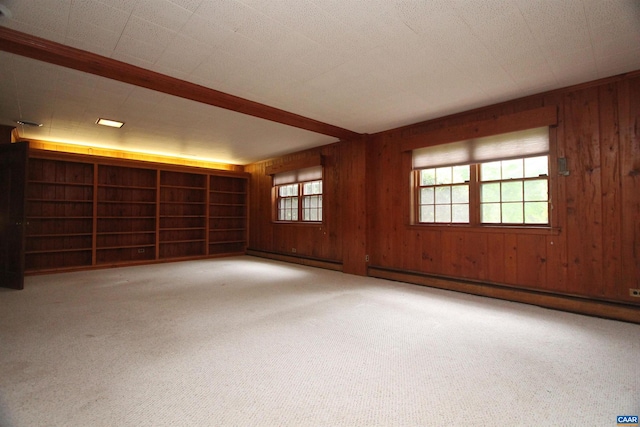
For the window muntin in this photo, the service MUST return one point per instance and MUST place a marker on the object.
(312, 201)
(443, 195)
(288, 202)
(509, 192)
(305, 197)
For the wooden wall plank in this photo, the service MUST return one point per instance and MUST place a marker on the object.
(611, 190)
(630, 183)
(353, 205)
(531, 262)
(496, 257)
(584, 192)
(557, 261)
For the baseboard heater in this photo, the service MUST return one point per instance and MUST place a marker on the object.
(573, 304)
(297, 259)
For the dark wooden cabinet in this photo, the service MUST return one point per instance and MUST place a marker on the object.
(89, 213)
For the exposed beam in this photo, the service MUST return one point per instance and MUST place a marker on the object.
(66, 56)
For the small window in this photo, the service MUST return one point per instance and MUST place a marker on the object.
(299, 195)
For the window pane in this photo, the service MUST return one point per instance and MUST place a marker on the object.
(460, 213)
(443, 195)
(427, 214)
(536, 166)
(443, 175)
(536, 190)
(460, 194)
(294, 189)
(512, 169)
(512, 191)
(443, 213)
(536, 213)
(490, 213)
(426, 196)
(307, 188)
(428, 177)
(512, 213)
(294, 214)
(490, 171)
(461, 174)
(490, 192)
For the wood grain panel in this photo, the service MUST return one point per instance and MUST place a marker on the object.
(584, 193)
(611, 190)
(354, 211)
(630, 182)
(557, 263)
(597, 131)
(531, 262)
(431, 254)
(544, 116)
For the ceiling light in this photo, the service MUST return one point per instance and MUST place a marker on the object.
(111, 123)
(28, 123)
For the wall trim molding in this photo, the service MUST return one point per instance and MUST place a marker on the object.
(572, 304)
(297, 259)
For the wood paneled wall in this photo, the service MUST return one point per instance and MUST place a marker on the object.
(342, 236)
(593, 249)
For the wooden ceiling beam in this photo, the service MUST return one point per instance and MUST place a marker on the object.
(55, 53)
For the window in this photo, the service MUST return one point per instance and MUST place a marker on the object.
(299, 195)
(515, 191)
(498, 180)
(444, 194)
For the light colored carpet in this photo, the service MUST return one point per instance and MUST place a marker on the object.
(244, 341)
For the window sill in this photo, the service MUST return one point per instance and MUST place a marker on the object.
(299, 223)
(495, 229)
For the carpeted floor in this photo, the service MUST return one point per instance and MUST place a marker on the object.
(250, 342)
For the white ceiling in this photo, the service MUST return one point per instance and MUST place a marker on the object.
(363, 65)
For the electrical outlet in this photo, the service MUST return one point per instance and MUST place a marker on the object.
(293, 250)
(634, 292)
(366, 258)
(140, 251)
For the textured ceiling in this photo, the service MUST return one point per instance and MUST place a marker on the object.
(366, 66)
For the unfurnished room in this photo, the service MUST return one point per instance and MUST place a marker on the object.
(319, 212)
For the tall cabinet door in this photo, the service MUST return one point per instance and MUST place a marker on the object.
(13, 177)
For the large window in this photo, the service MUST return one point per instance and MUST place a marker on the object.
(498, 180)
(299, 195)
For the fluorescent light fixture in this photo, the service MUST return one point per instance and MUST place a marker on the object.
(28, 123)
(111, 123)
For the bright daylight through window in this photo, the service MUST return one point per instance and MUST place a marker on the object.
(498, 180)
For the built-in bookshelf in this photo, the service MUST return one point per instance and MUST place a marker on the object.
(59, 211)
(227, 214)
(126, 214)
(183, 214)
(84, 214)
